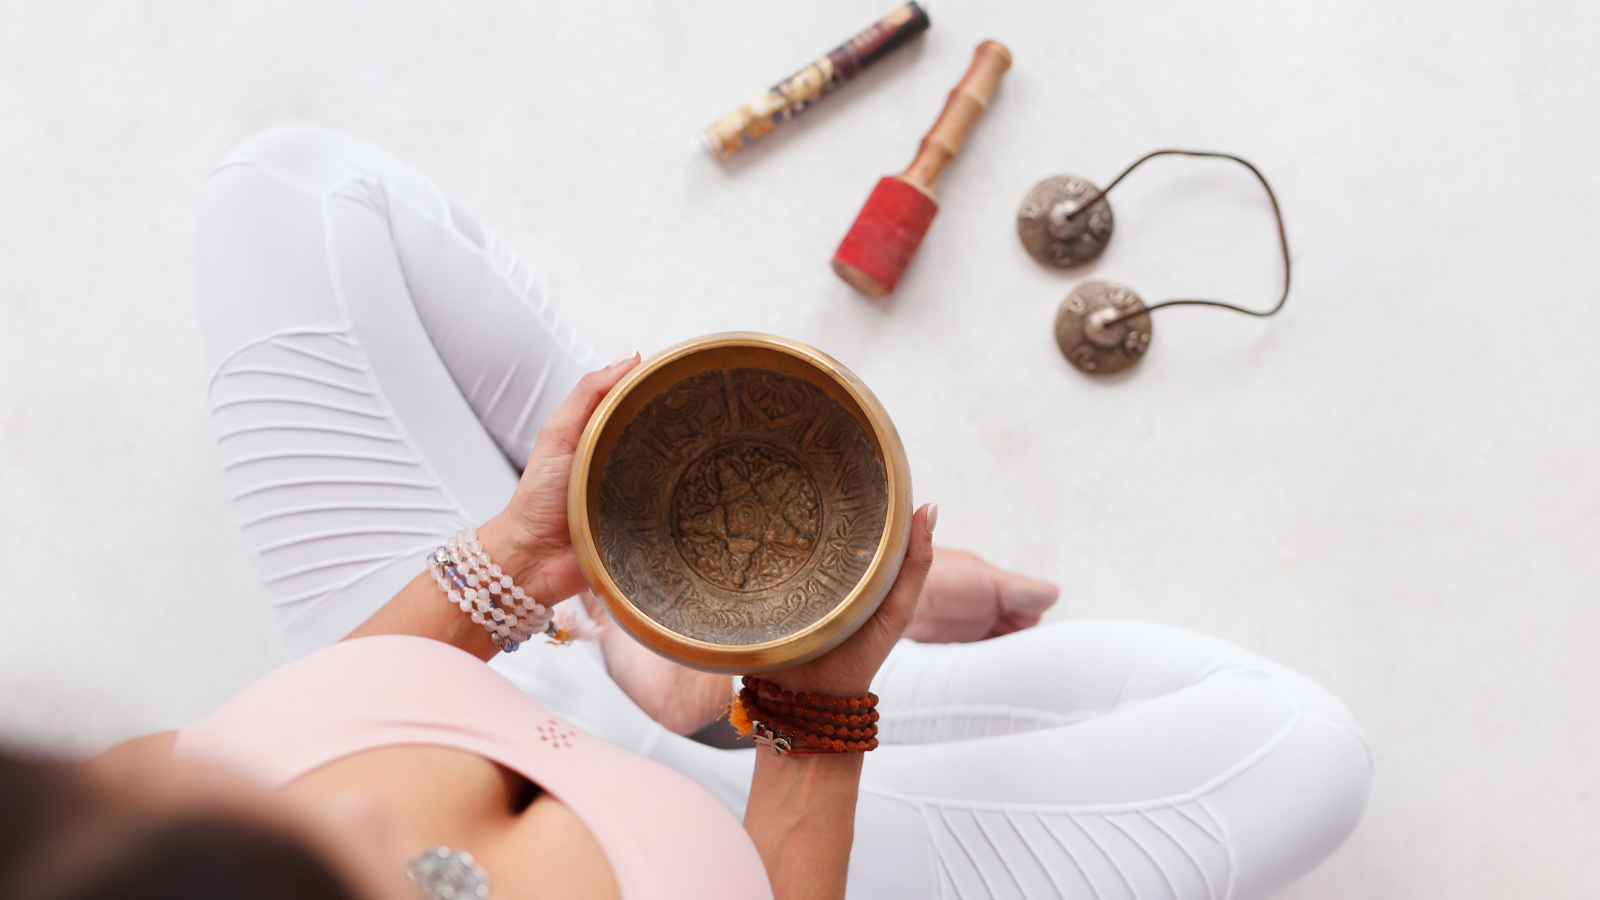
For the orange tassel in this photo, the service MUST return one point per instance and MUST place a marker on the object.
(563, 637)
(737, 717)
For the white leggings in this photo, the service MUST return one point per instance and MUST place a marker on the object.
(378, 362)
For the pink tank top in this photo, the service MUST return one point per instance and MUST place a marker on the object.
(664, 836)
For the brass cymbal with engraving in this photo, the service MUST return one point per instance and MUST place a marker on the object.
(1089, 335)
(1050, 231)
(740, 503)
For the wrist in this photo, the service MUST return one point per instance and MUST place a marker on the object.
(802, 682)
(512, 549)
(800, 722)
(813, 770)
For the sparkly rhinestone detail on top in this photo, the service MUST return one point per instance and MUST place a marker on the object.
(445, 874)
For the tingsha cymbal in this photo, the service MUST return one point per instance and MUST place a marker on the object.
(1050, 231)
(1089, 335)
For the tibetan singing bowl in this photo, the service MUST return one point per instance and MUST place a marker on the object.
(740, 503)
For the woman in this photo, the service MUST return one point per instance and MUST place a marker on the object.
(378, 360)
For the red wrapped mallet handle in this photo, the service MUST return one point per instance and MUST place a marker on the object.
(897, 214)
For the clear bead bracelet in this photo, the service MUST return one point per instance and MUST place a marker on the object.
(475, 584)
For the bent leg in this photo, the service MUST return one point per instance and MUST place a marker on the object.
(1102, 759)
(377, 363)
(380, 369)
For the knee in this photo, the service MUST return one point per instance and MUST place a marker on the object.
(313, 161)
(321, 162)
(1296, 804)
(295, 149)
(261, 263)
(274, 168)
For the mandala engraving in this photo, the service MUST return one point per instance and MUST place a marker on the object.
(741, 505)
(746, 516)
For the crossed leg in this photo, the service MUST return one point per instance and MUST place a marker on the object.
(1104, 759)
(380, 367)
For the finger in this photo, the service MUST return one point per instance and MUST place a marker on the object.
(561, 429)
(1023, 597)
(901, 603)
(1010, 623)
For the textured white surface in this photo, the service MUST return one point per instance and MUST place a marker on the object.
(1390, 487)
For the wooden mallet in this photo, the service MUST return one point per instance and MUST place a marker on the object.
(891, 224)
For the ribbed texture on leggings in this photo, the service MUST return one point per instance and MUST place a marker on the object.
(323, 479)
(1161, 852)
(960, 723)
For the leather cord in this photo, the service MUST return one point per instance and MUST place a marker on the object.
(1283, 238)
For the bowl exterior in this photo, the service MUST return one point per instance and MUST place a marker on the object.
(717, 351)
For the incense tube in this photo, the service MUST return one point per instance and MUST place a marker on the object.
(793, 95)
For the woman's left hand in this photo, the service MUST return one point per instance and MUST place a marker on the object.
(847, 670)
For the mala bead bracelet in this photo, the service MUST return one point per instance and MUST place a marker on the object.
(790, 722)
(820, 702)
(472, 582)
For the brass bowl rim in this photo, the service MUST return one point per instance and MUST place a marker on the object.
(792, 649)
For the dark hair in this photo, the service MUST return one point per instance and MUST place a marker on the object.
(58, 841)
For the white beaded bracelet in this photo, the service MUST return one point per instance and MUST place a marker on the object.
(469, 580)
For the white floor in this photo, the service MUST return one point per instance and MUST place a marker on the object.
(1392, 486)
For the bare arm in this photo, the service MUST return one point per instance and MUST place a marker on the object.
(801, 817)
(418, 610)
(801, 814)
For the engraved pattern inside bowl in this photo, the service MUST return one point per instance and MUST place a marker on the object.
(741, 505)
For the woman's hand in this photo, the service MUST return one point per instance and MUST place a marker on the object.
(530, 539)
(847, 670)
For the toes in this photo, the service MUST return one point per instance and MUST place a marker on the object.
(1021, 596)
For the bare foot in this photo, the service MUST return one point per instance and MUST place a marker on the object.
(683, 700)
(966, 599)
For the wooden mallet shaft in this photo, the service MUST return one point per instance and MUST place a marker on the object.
(891, 224)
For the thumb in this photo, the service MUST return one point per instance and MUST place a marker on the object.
(901, 603)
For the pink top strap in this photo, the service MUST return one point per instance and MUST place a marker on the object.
(664, 836)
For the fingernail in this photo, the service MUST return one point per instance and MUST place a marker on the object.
(932, 519)
(622, 359)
